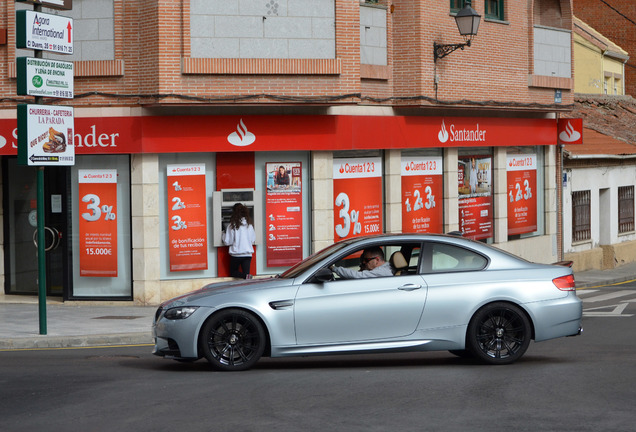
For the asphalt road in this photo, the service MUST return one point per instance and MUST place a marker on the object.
(585, 383)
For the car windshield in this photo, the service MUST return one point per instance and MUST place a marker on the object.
(313, 259)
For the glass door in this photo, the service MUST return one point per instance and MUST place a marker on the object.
(20, 221)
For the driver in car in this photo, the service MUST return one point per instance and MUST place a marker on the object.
(372, 264)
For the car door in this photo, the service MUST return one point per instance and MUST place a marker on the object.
(352, 310)
(456, 282)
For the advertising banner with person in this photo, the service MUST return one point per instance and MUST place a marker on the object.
(187, 217)
(422, 194)
(98, 222)
(522, 197)
(357, 191)
(283, 207)
(475, 196)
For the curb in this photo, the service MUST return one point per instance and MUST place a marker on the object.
(603, 282)
(85, 341)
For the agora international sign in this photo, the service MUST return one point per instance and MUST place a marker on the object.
(46, 32)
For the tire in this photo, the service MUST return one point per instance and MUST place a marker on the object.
(232, 340)
(498, 333)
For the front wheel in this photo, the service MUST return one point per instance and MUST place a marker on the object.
(232, 340)
(499, 333)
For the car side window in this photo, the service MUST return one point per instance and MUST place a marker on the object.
(401, 259)
(449, 258)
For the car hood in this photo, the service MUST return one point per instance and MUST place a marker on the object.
(201, 296)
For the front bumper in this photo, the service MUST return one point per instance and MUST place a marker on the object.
(177, 339)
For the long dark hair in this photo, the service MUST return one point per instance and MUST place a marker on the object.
(239, 211)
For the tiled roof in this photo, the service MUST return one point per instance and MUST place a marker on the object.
(609, 126)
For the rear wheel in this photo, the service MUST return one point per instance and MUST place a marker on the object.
(232, 340)
(499, 333)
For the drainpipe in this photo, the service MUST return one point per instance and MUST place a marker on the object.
(559, 192)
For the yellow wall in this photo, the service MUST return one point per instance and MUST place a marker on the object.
(592, 69)
(588, 70)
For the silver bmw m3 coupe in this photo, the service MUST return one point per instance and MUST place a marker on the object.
(385, 293)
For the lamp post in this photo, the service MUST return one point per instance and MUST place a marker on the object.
(467, 21)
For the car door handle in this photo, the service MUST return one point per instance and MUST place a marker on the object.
(410, 287)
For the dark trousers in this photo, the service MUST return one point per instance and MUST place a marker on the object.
(240, 262)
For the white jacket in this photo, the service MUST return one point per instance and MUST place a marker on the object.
(240, 240)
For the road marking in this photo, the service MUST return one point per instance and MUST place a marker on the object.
(585, 291)
(609, 296)
(617, 311)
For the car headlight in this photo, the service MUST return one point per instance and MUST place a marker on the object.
(181, 312)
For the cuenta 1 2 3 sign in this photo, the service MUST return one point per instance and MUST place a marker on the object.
(45, 77)
(45, 135)
(40, 31)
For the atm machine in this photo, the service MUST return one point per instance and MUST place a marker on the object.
(222, 203)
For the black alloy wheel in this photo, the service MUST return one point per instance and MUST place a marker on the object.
(499, 333)
(232, 340)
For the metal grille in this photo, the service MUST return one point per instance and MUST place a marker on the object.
(581, 228)
(625, 209)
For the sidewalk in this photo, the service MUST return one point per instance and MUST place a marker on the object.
(82, 326)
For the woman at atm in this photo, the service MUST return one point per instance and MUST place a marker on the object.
(240, 237)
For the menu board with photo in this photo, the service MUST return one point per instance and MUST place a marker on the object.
(475, 196)
(284, 213)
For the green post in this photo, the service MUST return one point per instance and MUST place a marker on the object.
(41, 252)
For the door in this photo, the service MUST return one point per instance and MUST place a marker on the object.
(20, 219)
(359, 309)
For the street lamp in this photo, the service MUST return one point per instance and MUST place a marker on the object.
(467, 21)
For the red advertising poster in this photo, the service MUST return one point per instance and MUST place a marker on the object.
(422, 193)
(98, 223)
(284, 210)
(187, 217)
(522, 199)
(357, 190)
(475, 197)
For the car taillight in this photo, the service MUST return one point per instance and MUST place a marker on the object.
(565, 283)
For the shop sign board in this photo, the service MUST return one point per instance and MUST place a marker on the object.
(284, 210)
(46, 32)
(162, 134)
(187, 217)
(45, 78)
(422, 194)
(475, 196)
(53, 4)
(98, 222)
(357, 189)
(522, 196)
(45, 135)
(570, 131)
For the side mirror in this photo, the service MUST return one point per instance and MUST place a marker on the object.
(323, 275)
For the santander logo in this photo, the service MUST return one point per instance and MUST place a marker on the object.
(443, 135)
(242, 137)
(569, 134)
(461, 133)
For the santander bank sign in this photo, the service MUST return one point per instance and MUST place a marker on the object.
(461, 134)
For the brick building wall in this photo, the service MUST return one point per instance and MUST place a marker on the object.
(616, 20)
(153, 61)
